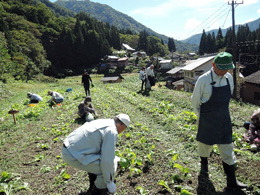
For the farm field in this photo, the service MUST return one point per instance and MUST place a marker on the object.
(158, 152)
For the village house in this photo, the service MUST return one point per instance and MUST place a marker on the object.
(122, 62)
(112, 78)
(139, 54)
(174, 74)
(165, 64)
(109, 61)
(191, 55)
(193, 69)
(178, 85)
(128, 48)
(250, 90)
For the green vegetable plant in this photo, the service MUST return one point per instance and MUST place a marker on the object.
(62, 177)
(10, 183)
(142, 190)
(184, 171)
(165, 185)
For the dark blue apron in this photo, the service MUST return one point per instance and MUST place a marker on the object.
(214, 122)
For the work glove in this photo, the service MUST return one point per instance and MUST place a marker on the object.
(116, 160)
(111, 187)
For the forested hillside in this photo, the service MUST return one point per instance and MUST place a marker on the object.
(38, 37)
(107, 14)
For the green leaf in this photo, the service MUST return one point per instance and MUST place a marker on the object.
(5, 176)
(185, 192)
(124, 163)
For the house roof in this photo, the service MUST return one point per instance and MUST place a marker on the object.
(165, 61)
(179, 82)
(197, 63)
(141, 52)
(122, 59)
(253, 78)
(110, 78)
(112, 57)
(127, 47)
(191, 82)
(175, 70)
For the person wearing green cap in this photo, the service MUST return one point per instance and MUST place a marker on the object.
(210, 102)
(91, 148)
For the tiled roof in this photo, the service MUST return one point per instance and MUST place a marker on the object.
(175, 70)
(197, 63)
(253, 78)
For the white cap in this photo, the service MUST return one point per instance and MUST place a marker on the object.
(124, 118)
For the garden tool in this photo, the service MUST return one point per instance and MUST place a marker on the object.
(13, 112)
(232, 182)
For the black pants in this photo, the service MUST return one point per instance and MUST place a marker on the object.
(87, 91)
(34, 101)
(143, 82)
(152, 80)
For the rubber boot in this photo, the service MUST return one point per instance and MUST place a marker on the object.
(92, 177)
(204, 171)
(96, 191)
(232, 182)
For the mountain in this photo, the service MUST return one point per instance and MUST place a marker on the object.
(195, 39)
(107, 14)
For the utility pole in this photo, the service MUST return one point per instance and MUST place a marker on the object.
(234, 47)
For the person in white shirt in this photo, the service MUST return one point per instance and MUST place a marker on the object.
(142, 77)
(150, 75)
(34, 98)
(91, 148)
(210, 101)
(55, 97)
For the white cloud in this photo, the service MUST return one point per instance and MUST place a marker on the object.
(249, 20)
(247, 2)
(192, 23)
(258, 11)
(250, 2)
(159, 10)
(200, 3)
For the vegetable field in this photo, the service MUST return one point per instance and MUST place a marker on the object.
(158, 152)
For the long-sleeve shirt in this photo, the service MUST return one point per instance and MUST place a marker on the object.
(85, 108)
(142, 75)
(55, 95)
(85, 79)
(203, 88)
(36, 97)
(149, 72)
(93, 141)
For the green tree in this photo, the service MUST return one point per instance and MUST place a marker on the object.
(155, 46)
(219, 40)
(5, 58)
(171, 45)
(203, 43)
(143, 41)
(228, 40)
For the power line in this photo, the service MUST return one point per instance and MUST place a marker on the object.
(226, 18)
(210, 20)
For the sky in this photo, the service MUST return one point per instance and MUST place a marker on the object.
(180, 19)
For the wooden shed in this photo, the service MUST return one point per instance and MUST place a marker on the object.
(250, 90)
(122, 62)
(112, 78)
